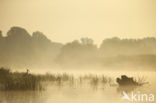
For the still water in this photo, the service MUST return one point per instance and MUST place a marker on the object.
(83, 93)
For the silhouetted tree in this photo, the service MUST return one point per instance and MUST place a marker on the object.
(20, 48)
(76, 52)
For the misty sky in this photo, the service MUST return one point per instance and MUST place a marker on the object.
(65, 20)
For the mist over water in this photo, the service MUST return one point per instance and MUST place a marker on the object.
(77, 51)
(80, 93)
(79, 71)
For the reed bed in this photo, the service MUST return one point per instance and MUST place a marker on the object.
(18, 81)
(27, 81)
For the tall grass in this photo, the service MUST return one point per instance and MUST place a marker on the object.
(26, 81)
(18, 81)
(141, 80)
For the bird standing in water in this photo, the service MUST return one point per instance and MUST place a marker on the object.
(27, 71)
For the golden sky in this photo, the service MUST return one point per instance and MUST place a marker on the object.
(66, 20)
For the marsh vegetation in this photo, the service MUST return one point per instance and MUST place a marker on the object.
(17, 87)
(27, 81)
(18, 81)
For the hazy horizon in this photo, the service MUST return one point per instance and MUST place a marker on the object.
(4, 34)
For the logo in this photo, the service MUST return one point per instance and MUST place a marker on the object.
(138, 97)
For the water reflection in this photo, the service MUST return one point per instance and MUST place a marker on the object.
(127, 89)
(21, 97)
(77, 91)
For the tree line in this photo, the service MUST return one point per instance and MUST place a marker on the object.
(20, 48)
